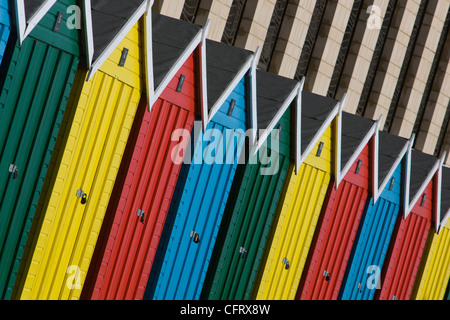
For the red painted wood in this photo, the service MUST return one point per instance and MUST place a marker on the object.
(335, 234)
(124, 254)
(404, 256)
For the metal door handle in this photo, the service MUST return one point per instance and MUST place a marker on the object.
(195, 236)
(81, 194)
(286, 264)
(14, 170)
(141, 214)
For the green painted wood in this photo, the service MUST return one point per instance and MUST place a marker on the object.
(247, 220)
(37, 84)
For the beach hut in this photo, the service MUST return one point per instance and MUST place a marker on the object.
(378, 220)
(36, 81)
(342, 210)
(301, 200)
(148, 174)
(204, 185)
(255, 192)
(412, 228)
(98, 120)
(434, 273)
(5, 26)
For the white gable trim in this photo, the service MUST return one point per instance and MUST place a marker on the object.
(95, 65)
(294, 93)
(25, 27)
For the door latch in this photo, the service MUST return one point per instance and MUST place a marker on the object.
(424, 197)
(81, 194)
(358, 166)
(243, 252)
(141, 213)
(195, 236)
(180, 83)
(319, 150)
(14, 170)
(391, 186)
(286, 263)
(280, 128)
(123, 57)
(231, 109)
(59, 20)
(360, 287)
(327, 275)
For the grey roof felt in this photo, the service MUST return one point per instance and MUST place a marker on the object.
(354, 129)
(421, 165)
(171, 37)
(315, 110)
(31, 7)
(389, 150)
(272, 93)
(445, 195)
(223, 64)
(108, 18)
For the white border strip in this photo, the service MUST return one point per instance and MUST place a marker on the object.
(438, 186)
(148, 43)
(298, 126)
(375, 168)
(253, 99)
(446, 215)
(89, 32)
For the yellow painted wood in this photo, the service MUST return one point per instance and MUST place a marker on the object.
(436, 273)
(94, 140)
(298, 213)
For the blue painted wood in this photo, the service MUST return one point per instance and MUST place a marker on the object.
(181, 264)
(5, 26)
(372, 242)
